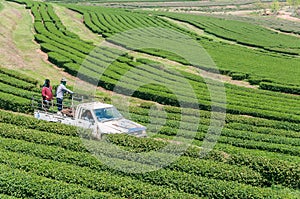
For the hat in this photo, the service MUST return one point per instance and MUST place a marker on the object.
(63, 79)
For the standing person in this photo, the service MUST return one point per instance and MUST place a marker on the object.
(47, 94)
(61, 90)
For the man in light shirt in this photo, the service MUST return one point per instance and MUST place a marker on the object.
(61, 90)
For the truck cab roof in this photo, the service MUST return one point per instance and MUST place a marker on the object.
(94, 105)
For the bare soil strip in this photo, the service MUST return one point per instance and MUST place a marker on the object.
(291, 34)
(287, 16)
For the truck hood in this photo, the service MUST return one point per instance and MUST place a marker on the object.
(121, 126)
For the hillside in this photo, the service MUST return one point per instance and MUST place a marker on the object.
(219, 97)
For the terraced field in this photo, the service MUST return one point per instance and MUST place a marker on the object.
(259, 55)
(251, 155)
(257, 154)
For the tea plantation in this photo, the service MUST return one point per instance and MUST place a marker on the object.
(256, 154)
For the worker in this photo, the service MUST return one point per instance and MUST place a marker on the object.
(61, 90)
(47, 94)
(87, 115)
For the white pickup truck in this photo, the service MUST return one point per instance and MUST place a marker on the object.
(99, 117)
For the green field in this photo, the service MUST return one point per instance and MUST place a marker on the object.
(260, 62)
(256, 154)
(259, 153)
(259, 55)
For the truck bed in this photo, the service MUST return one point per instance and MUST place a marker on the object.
(54, 117)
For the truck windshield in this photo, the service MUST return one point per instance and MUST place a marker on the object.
(105, 114)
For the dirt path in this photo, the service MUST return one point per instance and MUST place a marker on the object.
(285, 33)
(287, 16)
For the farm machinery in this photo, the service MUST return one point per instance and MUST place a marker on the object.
(99, 117)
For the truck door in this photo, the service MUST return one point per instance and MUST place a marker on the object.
(85, 119)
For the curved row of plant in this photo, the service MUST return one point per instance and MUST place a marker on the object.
(40, 137)
(169, 127)
(205, 168)
(182, 164)
(237, 135)
(235, 61)
(238, 122)
(17, 91)
(111, 72)
(276, 168)
(70, 58)
(242, 32)
(184, 121)
(142, 177)
(102, 180)
(20, 93)
(107, 21)
(222, 59)
(276, 172)
(21, 184)
(136, 75)
(172, 78)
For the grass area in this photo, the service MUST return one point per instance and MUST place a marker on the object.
(73, 22)
(21, 51)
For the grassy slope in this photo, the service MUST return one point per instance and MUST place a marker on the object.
(73, 23)
(21, 53)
